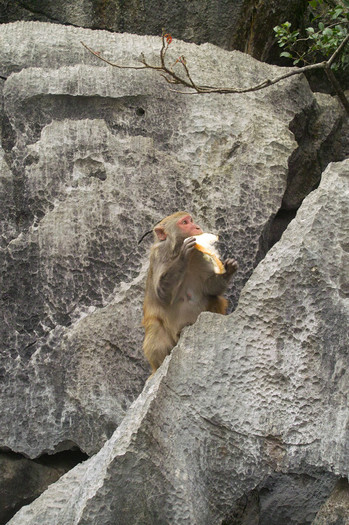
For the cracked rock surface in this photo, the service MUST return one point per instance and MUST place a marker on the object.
(91, 158)
(249, 407)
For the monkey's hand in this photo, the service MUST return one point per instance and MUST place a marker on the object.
(217, 283)
(187, 248)
(230, 266)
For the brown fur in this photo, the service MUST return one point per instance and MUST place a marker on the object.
(180, 285)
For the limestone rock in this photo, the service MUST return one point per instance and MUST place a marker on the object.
(335, 511)
(94, 156)
(244, 25)
(255, 402)
(322, 136)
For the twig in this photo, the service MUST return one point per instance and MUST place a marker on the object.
(98, 55)
(173, 78)
(337, 88)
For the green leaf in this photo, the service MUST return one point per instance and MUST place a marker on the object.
(286, 54)
(337, 13)
(313, 4)
(328, 31)
(321, 26)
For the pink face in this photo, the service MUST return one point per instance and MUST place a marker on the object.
(188, 227)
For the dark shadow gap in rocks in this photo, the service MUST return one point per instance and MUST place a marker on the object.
(246, 510)
(321, 132)
(273, 231)
(297, 187)
(283, 498)
(23, 480)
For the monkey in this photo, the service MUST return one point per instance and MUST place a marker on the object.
(180, 285)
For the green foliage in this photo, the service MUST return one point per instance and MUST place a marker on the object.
(329, 27)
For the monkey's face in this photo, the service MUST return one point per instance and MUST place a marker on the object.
(177, 227)
(187, 227)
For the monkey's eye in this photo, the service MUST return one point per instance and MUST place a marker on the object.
(185, 221)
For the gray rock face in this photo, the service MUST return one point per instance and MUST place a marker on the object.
(335, 510)
(92, 157)
(243, 24)
(322, 136)
(250, 405)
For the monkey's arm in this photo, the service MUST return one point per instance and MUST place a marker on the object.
(169, 281)
(170, 278)
(217, 283)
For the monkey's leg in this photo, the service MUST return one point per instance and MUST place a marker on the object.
(157, 343)
(217, 304)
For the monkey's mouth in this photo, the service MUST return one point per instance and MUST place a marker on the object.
(205, 244)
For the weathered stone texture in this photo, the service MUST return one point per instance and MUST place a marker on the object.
(243, 24)
(93, 157)
(322, 135)
(255, 401)
(335, 511)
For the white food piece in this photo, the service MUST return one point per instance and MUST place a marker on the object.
(205, 243)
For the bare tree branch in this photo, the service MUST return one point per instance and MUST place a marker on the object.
(331, 77)
(174, 78)
(98, 55)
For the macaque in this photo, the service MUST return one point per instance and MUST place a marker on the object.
(181, 284)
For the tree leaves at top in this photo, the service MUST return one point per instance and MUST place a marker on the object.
(329, 27)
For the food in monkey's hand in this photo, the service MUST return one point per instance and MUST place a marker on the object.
(205, 244)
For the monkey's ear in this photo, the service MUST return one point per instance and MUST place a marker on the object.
(160, 232)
